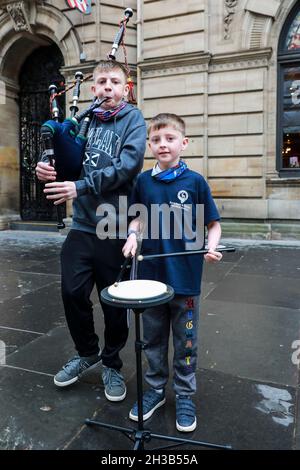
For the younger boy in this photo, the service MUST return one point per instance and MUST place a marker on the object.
(113, 157)
(172, 183)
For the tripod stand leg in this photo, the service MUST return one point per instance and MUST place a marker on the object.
(180, 440)
(139, 371)
(138, 441)
(128, 432)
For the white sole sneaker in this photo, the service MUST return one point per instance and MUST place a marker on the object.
(149, 414)
(65, 384)
(190, 428)
(113, 398)
(75, 379)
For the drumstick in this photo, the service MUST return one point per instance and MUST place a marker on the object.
(124, 266)
(184, 253)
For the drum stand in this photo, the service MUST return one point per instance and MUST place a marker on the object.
(140, 435)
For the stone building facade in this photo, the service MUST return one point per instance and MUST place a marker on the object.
(223, 65)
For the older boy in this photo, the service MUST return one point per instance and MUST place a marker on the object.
(113, 158)
(173, 184)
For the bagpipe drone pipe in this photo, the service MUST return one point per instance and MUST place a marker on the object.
(63, 144)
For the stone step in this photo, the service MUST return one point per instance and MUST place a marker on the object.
(34, 226)
(268, 230)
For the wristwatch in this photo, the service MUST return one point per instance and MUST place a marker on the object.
(130, 231)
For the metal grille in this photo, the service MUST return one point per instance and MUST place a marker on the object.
(39, 71)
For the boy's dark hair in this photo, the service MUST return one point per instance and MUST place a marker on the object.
(108, 65)
(166, 119)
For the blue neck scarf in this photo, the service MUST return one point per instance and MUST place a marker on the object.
(171, 173)
(106, 115)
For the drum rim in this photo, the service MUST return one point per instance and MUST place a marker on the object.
(139, 303)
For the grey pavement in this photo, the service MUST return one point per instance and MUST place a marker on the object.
(248, 385)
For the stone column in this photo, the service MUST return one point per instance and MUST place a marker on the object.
(9, 153)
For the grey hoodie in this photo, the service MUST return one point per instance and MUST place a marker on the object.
(114, 155)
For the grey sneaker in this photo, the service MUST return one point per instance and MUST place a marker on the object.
(114, 385)
(151, 401)
(186, 420)
(74, 368)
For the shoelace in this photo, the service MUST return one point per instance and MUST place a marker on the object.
(81, 363)
(111, 376)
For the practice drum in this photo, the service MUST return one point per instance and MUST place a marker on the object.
(137, 294)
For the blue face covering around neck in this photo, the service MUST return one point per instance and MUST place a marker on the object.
(105, 115)
(171, 173)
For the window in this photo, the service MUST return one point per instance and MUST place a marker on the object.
(288, 129)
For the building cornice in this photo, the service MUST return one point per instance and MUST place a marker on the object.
(241, 59)
(291, 182)
(202, 62)
(177, 64)
(86, 68)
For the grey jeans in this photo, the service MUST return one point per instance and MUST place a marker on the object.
(182, 314)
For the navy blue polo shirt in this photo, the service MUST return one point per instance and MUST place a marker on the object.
(176, 214)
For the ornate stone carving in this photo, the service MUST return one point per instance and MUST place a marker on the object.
(229, 13)
(19, 16)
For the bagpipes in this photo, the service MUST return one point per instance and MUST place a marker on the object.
(63, 144)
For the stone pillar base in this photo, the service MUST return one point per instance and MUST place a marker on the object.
(261, 230)
(5, 220)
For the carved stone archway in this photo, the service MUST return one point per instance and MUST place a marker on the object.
(258, 20)
(24, 26)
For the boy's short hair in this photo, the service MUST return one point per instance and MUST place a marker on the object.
(108, 65)
(166, 119)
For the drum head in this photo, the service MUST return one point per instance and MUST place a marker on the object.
(138, 289)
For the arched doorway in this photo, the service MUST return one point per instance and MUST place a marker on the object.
(39, 70)
(288, 122)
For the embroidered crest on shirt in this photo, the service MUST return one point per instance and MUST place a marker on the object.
(182, 196)
(102, 141)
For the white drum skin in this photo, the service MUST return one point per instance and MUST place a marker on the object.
(138, 289)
